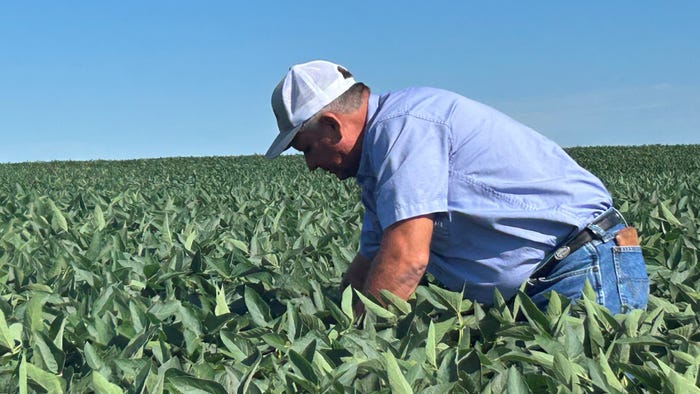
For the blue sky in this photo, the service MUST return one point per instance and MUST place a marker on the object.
(83, 80)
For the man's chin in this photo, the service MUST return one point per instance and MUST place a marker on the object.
(341, 176)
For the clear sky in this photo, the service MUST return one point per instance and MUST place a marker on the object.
(85, 80)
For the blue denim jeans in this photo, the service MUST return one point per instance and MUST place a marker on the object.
(617, 274)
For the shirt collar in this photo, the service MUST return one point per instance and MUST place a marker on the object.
(373, 105)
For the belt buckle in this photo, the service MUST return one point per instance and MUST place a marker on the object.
(561, 253)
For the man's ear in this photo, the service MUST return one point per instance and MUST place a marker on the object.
(331, 124)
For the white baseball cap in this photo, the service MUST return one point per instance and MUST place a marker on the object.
(304, 91)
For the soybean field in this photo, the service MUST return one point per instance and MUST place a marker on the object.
(221, 275)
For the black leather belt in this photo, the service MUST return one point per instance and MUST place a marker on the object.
(606, 221)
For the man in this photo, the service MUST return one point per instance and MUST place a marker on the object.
(459, 189)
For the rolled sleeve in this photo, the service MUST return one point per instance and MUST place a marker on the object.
(412, 168)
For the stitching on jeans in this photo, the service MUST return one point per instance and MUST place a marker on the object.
(592, 249)
(627, 249)
(626, 303)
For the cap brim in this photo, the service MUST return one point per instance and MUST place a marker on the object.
(281, 143)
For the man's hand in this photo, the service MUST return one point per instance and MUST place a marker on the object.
(402, 258)
(356, 274)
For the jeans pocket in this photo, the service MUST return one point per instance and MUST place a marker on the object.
(632, 278)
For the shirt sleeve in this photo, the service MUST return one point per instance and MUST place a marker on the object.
(410, 157)
(371, 235)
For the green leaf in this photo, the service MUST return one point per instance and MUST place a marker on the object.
(346, 303)
(190, 239)
(668, 215)
(257, 307)
(246, 379)
(572, 343)
(189, 319)
(524, 332)
(49, 381)
(40, 288)
(337, 314)
(322, 364)
(275, 340)
(678, 382)
(553, 306)
(439, 388)
(52, 356)
(646, 375)
(631, 322)
(98, 218)
(131, 368)
(450, 299)
(443, 327)
(685, 357)
(424, 293)
(533, 313)
(104, 386)
(58, 221)
(393, 299)
(375, 308)
(588, 291)
(681, 384)
(516, 383)
(563, 369)
(138, 317)
(595, 341)
(33, 315)
(292, 322)
(240, 245)
(221, 304)
(304, 384)
(56, 331)
(304, 366)
(22, 374)
(91, 357)
(165, 230)
(533, 357)
(430, 345)
(8, 337)
(641, 340)
(397, 381)
(185, 383)
(549, 345)
(136, 343)
(229, 341)
(609, 375)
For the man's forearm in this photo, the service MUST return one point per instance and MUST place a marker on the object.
(397, 275)
(402, 258)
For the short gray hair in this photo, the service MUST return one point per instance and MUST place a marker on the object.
(346, 103)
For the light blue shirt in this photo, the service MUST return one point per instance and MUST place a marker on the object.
(503, 195)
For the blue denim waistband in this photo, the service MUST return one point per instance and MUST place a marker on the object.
(603, 227)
